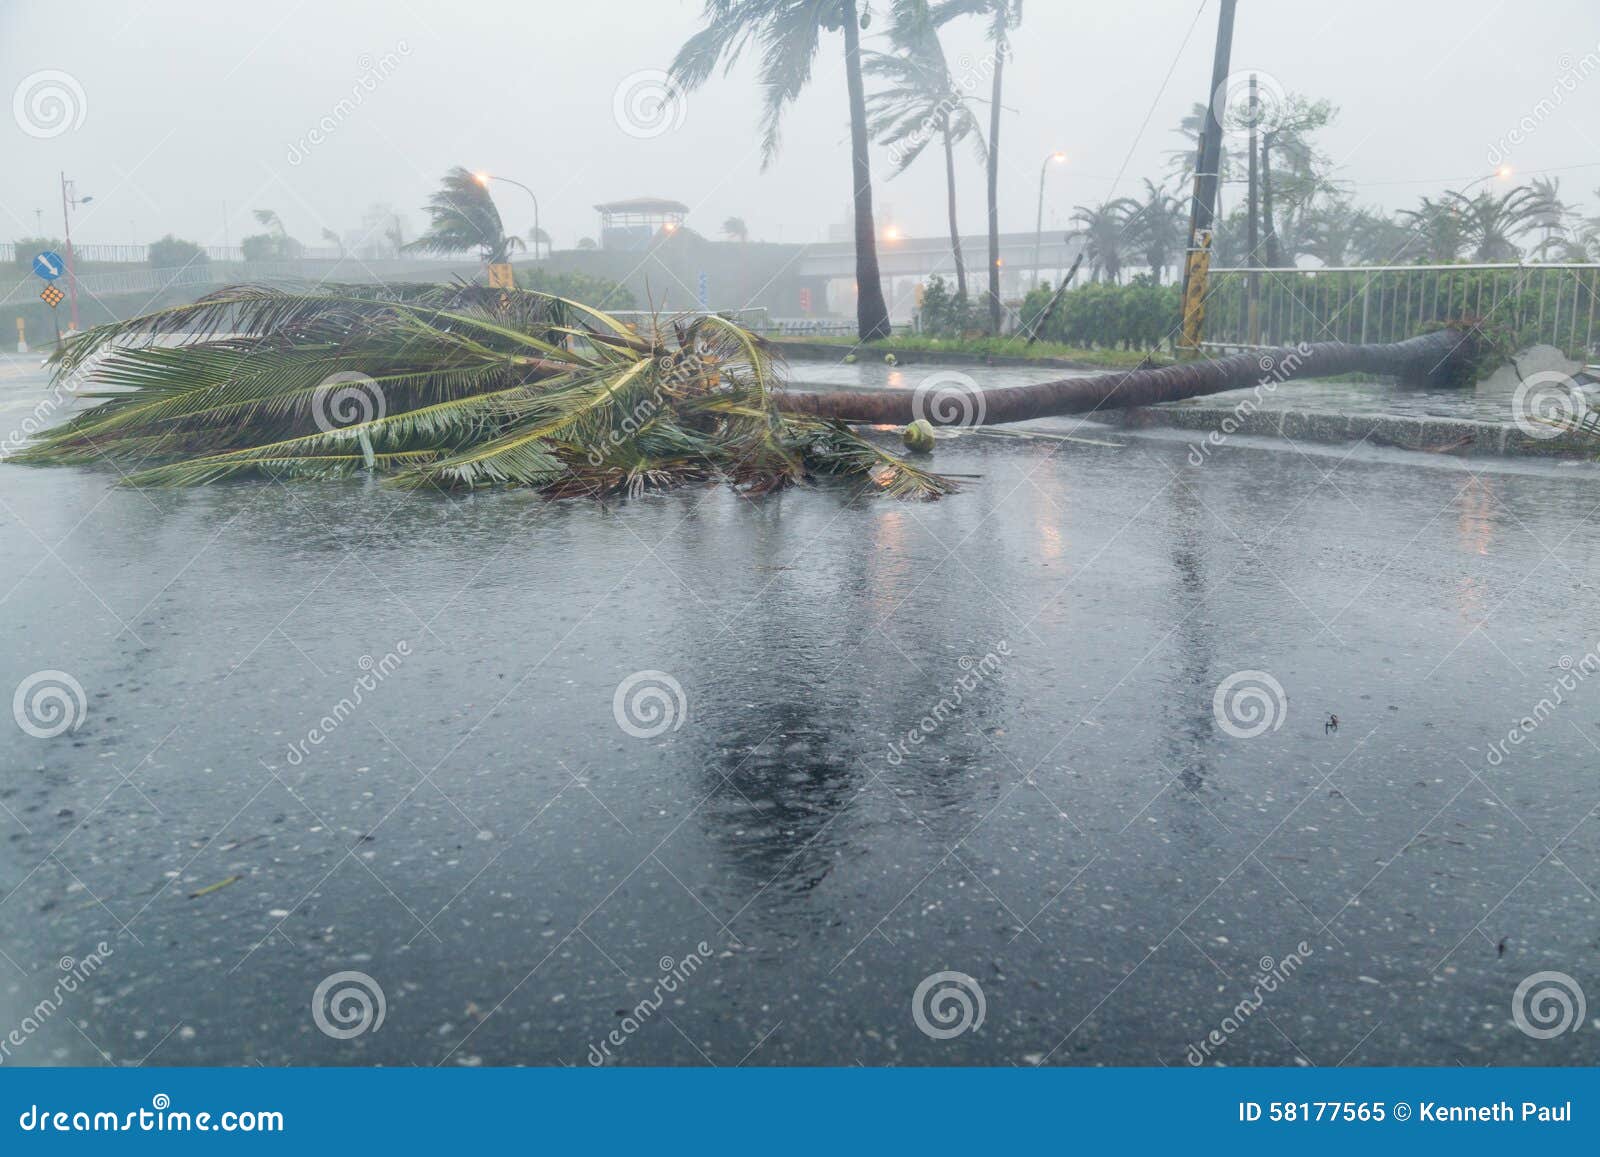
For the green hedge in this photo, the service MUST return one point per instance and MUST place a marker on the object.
(1138, 316)
(1557, 307)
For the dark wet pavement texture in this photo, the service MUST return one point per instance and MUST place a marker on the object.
(1078, 834)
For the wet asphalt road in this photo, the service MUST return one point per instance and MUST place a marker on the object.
(1077, 831)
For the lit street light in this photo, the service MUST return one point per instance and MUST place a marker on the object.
(1038, 224)
(484, 179)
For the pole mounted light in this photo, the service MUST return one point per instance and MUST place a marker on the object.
(69, 201)
(484, 178)
(1059, 158)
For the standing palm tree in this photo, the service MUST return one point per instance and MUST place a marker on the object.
(922, 100)
(1158, 228)
(1551, 219)
(463, 216)
(1003, 17)
(1438, 232)
(1182, 161)
(789, 33)
(1105, 233)
(1491, 224)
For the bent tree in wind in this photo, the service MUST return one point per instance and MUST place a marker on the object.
(788, 34)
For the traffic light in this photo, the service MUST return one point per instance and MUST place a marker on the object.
(805, 299)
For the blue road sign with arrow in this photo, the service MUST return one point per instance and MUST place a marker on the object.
(49, 265)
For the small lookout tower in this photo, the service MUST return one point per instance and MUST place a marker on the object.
(632, 224)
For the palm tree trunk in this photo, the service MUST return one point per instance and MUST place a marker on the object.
(1269, 230)
(955, 228)
(994, 174)
(872, 315)
(1448, 357)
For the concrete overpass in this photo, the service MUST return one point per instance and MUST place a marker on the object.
(906, 262)
(921, 257)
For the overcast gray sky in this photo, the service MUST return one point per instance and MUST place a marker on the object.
(189, 104)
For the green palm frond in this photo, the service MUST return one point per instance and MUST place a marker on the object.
(456, 386)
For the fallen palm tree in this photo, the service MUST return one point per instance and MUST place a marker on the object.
(463, 386)
(455, 386)
(1447, 357)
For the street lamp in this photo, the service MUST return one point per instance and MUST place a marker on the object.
(1038, 222)
(484, 179)
(1502, 173)
(70, 200)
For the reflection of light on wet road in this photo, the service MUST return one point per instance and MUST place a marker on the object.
(1052, 501)
(1475, 516)
(1475, 526)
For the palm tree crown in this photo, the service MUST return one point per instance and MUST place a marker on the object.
(1158, 228)
(922, 102)
(789, 33)
(1106, 235)
(462, 216)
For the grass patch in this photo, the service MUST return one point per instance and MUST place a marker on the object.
(1008, 347)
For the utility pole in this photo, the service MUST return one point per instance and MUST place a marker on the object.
(1202, 211)
(1253, 284)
